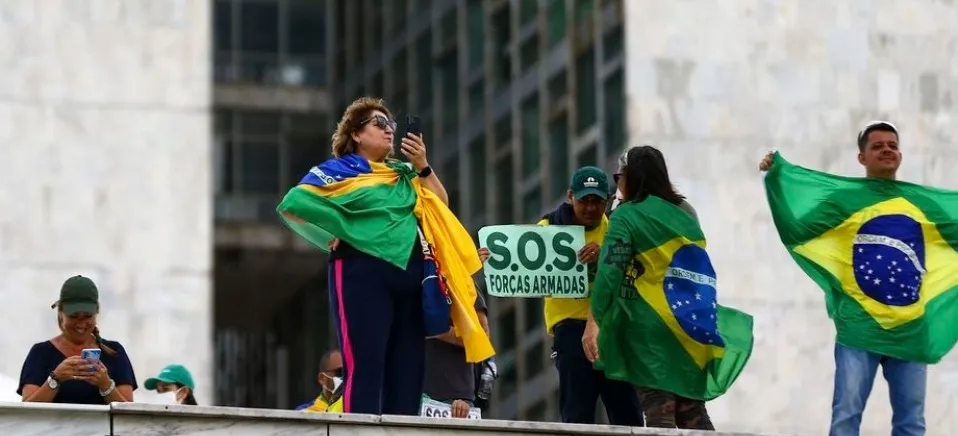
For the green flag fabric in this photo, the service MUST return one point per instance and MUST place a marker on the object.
(655, 302)
(883, 251)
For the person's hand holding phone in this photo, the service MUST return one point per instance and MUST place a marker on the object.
(99, 377)
(71, 368)
(412, 144)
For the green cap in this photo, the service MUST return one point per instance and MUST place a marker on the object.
(590, 181)
(171, 374)
(79, 294)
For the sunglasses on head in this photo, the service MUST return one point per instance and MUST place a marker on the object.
(381, 122)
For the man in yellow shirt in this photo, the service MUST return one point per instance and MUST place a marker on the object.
(569, 320)
(331, 379)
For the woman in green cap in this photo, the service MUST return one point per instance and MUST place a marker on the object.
(174, 384)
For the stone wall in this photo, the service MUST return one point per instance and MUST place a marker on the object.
(105, 164)
(715, 84)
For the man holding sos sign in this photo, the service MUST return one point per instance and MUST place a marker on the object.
(557, 260)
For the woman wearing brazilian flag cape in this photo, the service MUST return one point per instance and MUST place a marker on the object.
(400, 266)
(654, 300)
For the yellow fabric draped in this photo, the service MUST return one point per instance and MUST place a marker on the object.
(459, 259)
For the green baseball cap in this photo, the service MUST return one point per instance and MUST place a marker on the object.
(590, 181)
(171, 374)
(79, 294)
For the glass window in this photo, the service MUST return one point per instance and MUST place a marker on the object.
(259, 167)
(259, 123)
(374, 14)
(508, 382)
(507, 332)
(259, 24)
(583, 10)
(503, 132)
(531, 154)
(224, 160)
(532, 212)
(447, 27)
(424, 70)
(529, 53)
(223, 122)
(306, 32)
(477, 33)
(303, 153)
(538, 411)
(477, 97)
(535, 354)
(558, 86)
(612, 43)
(501, 35)
(399, 16)
(589, 156)
(449, 76)
(223, 25)
(614, 127)
(450, 180)
(556, 21)
(376, 87)
(527, 11)
(505, 190)
(585, 85)
(477, 174)
(559, 157)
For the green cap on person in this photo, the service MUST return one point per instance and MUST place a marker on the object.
(171, 374)
(590, 181)
(79, 295)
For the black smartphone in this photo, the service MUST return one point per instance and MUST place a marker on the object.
(412, 125)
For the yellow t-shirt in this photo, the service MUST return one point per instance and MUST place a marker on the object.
(319, 405)
(560, 309)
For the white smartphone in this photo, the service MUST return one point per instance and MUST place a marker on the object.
(91, 354)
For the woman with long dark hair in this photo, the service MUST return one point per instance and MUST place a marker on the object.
(630, 289)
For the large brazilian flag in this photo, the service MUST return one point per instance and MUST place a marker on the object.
(883, 251)
(654, 299)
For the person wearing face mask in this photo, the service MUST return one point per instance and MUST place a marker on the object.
(330, 377)
(54, 372)
(174, 384)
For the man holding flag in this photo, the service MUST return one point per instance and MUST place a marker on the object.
(884, 252)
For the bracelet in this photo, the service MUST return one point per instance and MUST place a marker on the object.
(426, 172)
(109, 390)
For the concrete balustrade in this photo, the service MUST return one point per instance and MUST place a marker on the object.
(134, 419)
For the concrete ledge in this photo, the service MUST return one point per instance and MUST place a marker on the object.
(134, 419)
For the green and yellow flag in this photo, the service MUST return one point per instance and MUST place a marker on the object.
(883, 251)
(376, 208)
(654, 299)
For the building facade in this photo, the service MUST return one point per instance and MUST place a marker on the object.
(716, 84)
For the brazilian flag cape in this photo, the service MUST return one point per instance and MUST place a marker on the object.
(882, 250)
(654, 299)
(377, 208)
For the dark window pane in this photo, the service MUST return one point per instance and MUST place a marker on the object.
(501, 35)
(505, 190)
(424, 70)
(589, 156)
(585, 84)
(508, 379)
(372, 18)
(530, 136)
(306, 34)
(529, 53)
(450, 180)
(558, 86)
(583, 10)
(259, 123)
(259, 168)
(304, 153)
(503, 132)
(532, 212)
(223, 25)
(223, 122)
(449, 77)
(476, 33)
(259, 31)
(559, 157)
(556, 20)
(477, 174)
(447, 27)
(527, 11)
(507, 333)
(614, 123)
(477, 95)
(223, 158)
(376, 85)
(538, 411)
(535, 354)
(613, 43)
(399, 16)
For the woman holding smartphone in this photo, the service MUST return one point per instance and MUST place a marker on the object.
(77, 366)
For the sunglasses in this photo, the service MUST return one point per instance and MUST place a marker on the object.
(616, 177)
(381, 122)
(338, 372)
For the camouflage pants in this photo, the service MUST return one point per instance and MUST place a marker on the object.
(667, 410)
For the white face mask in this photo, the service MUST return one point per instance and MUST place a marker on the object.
(167, 398)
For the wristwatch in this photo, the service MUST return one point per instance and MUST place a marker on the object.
(52, 381)
(425, 172)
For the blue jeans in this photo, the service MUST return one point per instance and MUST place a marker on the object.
(854, 376)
